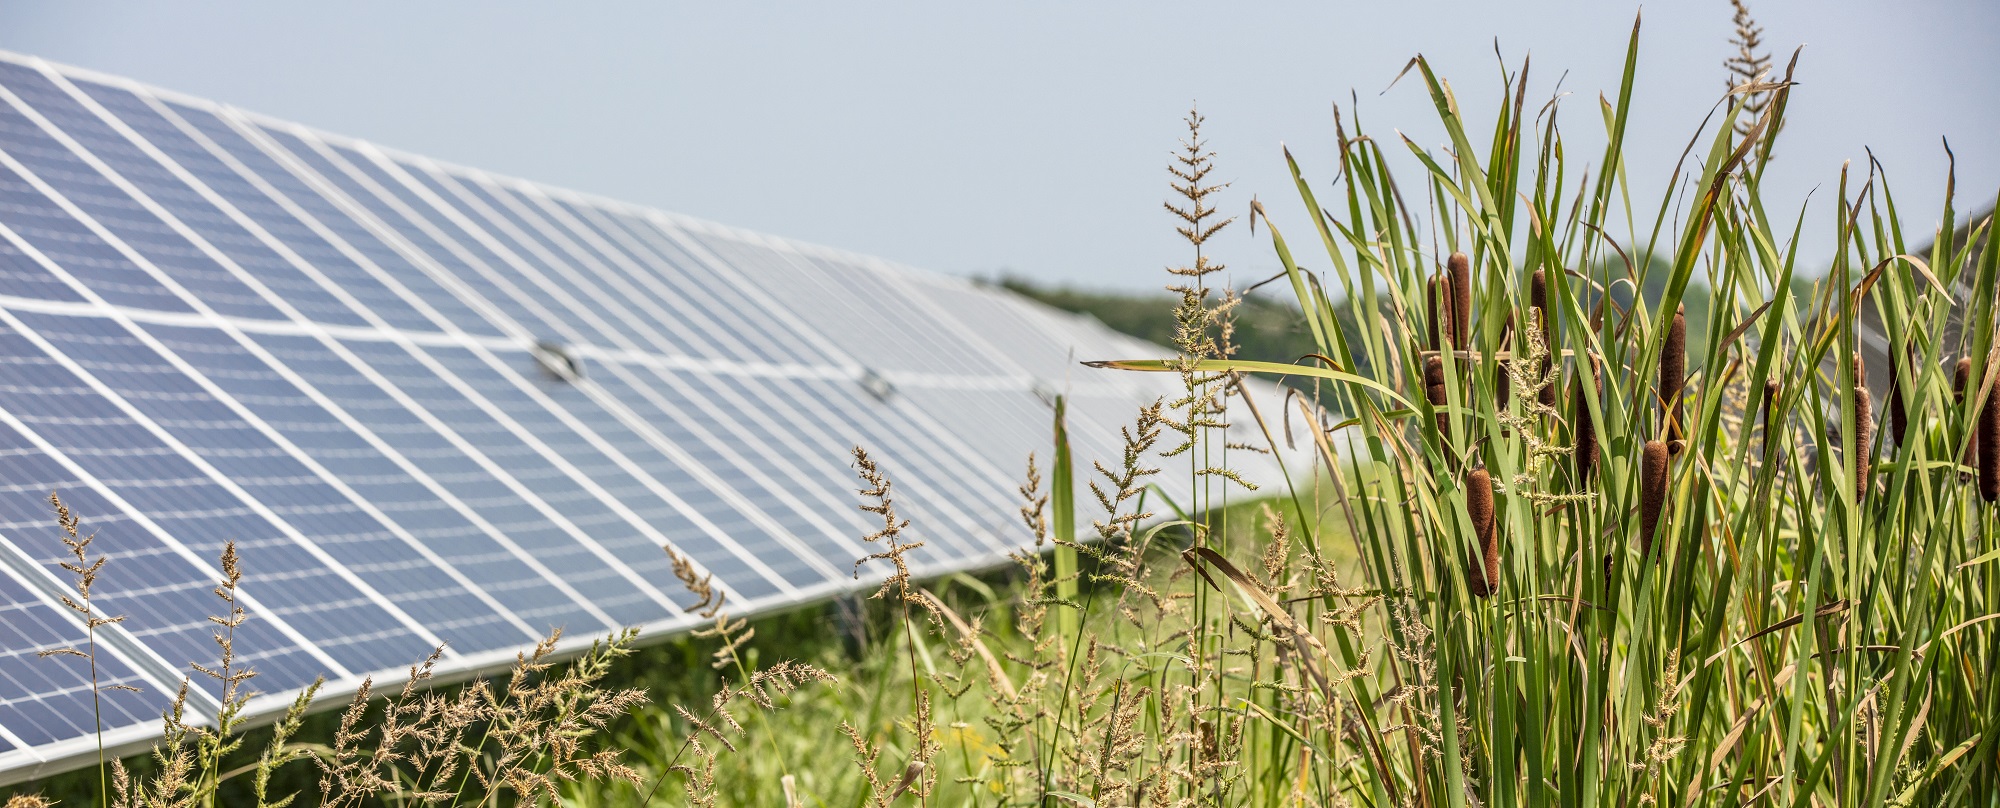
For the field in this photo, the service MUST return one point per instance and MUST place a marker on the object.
(1605, 513)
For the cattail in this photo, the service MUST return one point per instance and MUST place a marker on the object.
(1461, 299)
(1437, 290)
(1899, 419)
(1652, 492)
(1483, 575)
(1864, 429)
(1434, 392)
(1538, 298)
(1771, 391)
(1584, 452)
(1959, 375)
(1504, 381)
(1673, 374)
(1989, 446)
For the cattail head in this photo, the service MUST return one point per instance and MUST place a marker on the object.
(1959, 374)
(1652, 492)
(1863, 427)
(1434, 392)
(1460, 269)
(1503, 382)
(1437, 306)
(1989, 446)
(1899, 418)
(1483, 574)
(1583, 451)
(1673, 375)
(1771, 391)
(1538, 299)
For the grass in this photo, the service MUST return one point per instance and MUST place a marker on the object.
(1744, 594)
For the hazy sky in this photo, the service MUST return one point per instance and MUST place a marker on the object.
(1027, 137)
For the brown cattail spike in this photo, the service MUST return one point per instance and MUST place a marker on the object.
(1503, 381)
(1959, 374)
(1434, 392)
(1864, 429)
(1673, 375)
(1771, 391)
(1483, 575)
(1538, 299)
(1460, 268)
(1584, 450)
(1440, 331)
(1989, 446)
(1899, 419)
(1652, 492)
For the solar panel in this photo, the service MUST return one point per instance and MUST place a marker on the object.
(433, 405)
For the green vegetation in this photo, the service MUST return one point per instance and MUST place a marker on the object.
(1584, 548)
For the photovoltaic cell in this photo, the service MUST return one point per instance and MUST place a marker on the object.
(431, 405)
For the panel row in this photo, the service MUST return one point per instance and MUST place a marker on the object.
(216, 327)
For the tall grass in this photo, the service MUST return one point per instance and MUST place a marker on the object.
(1555, 551)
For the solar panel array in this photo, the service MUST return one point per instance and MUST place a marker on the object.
(359, 365)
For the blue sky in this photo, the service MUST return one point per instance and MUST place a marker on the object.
(1027, 137)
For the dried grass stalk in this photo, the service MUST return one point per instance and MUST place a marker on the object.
(1483, 575)
(1652, 492)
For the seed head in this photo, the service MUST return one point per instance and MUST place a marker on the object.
(1899, 418)
(1771, 391)
(1538, 299)
(1434, 393)
(1652, 492)
(1483, 575)
(1989, 446)
(1460, 268)
(1864, 429)
(1438, 289)
(1584, 453)
(1673, 375)
(1959, 375)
